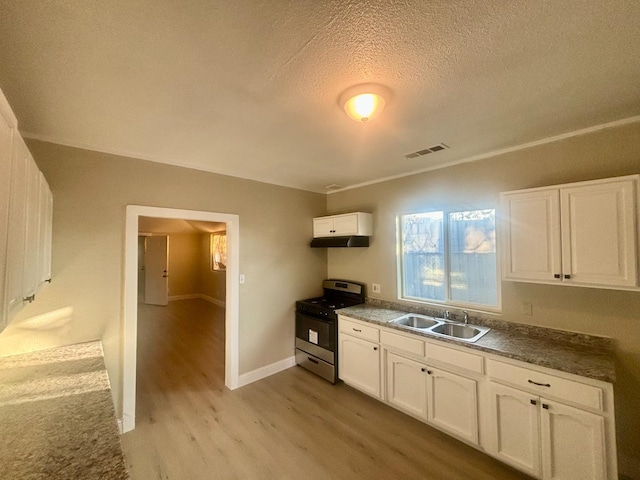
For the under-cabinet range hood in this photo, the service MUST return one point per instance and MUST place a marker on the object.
(346, 241)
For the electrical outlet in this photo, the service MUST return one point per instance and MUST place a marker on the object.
(375, 287)
(527, 308)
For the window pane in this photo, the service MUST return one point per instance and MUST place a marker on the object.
(472, 247)
(423, 264)
(218, 251)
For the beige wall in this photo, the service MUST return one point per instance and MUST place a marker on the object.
(212, 283)
(600, 312)
(91, 191)
(184, 264)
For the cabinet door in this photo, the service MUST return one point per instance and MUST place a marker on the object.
(407, 385)
(599, 234)
(45, 231)
(6, 153)
(532, 236)
(453, 404)
(345, 225)
(322, 227)
(16, 231)
(31, 267)
(514, 424)
(359, 364)
(572, 443)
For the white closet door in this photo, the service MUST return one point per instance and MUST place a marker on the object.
(156, 262)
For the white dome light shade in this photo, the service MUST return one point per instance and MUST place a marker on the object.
(364, 102)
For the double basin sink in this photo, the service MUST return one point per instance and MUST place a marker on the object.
(441, 327)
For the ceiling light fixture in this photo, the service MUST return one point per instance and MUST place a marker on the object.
(365, 101)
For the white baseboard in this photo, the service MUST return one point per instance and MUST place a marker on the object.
(266, 371)
(191, 296)
(188, 296)
(209, 299)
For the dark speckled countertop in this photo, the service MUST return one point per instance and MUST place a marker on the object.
(57, 419)
(580, 354)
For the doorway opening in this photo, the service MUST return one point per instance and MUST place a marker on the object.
(133, 214)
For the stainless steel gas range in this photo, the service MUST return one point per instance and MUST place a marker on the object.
(317, 326)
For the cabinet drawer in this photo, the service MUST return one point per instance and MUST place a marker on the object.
(360, 330)
(411, 345)
(457, 358)
(545, 384)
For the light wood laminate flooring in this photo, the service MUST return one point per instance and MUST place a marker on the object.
(292, 425)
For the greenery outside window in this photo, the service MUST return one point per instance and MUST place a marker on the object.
(449, 258)
(218, 251)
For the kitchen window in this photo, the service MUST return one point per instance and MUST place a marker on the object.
(218, 251)
(449, 258)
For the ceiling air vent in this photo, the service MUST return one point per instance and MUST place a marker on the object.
(426, 151)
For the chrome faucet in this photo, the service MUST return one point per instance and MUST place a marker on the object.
(466, 317)
(445, 315)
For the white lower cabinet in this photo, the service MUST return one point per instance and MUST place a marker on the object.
(407, 385)
(548, 424)
(453, 404)
(359, 364)
(515, 422)
(444, 399)
(545, 438)
(573, 443)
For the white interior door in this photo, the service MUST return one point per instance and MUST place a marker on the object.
(156, 264)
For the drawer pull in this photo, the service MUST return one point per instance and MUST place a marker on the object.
(557, 275)
(312, 360)
(568, 277)
(375, 348)
(539, 384)
(357, 330)
(545, 406)
(533, 402)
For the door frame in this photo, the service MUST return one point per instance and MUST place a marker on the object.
(130, 328)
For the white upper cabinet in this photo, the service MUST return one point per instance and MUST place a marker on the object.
(26, 208)
(8, 126)
(45, 218)
(599, 233)
(357, 223)
(577, 234)
(532, 235)
(32, 234)
(16, 230)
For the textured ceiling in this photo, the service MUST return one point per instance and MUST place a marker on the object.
(250, 88)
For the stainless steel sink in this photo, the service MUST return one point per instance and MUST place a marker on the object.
(441, 327)
(467, 333)
(420, 322)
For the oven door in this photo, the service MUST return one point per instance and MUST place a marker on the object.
(316, 331)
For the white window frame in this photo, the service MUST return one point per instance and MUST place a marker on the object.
(448, 302)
